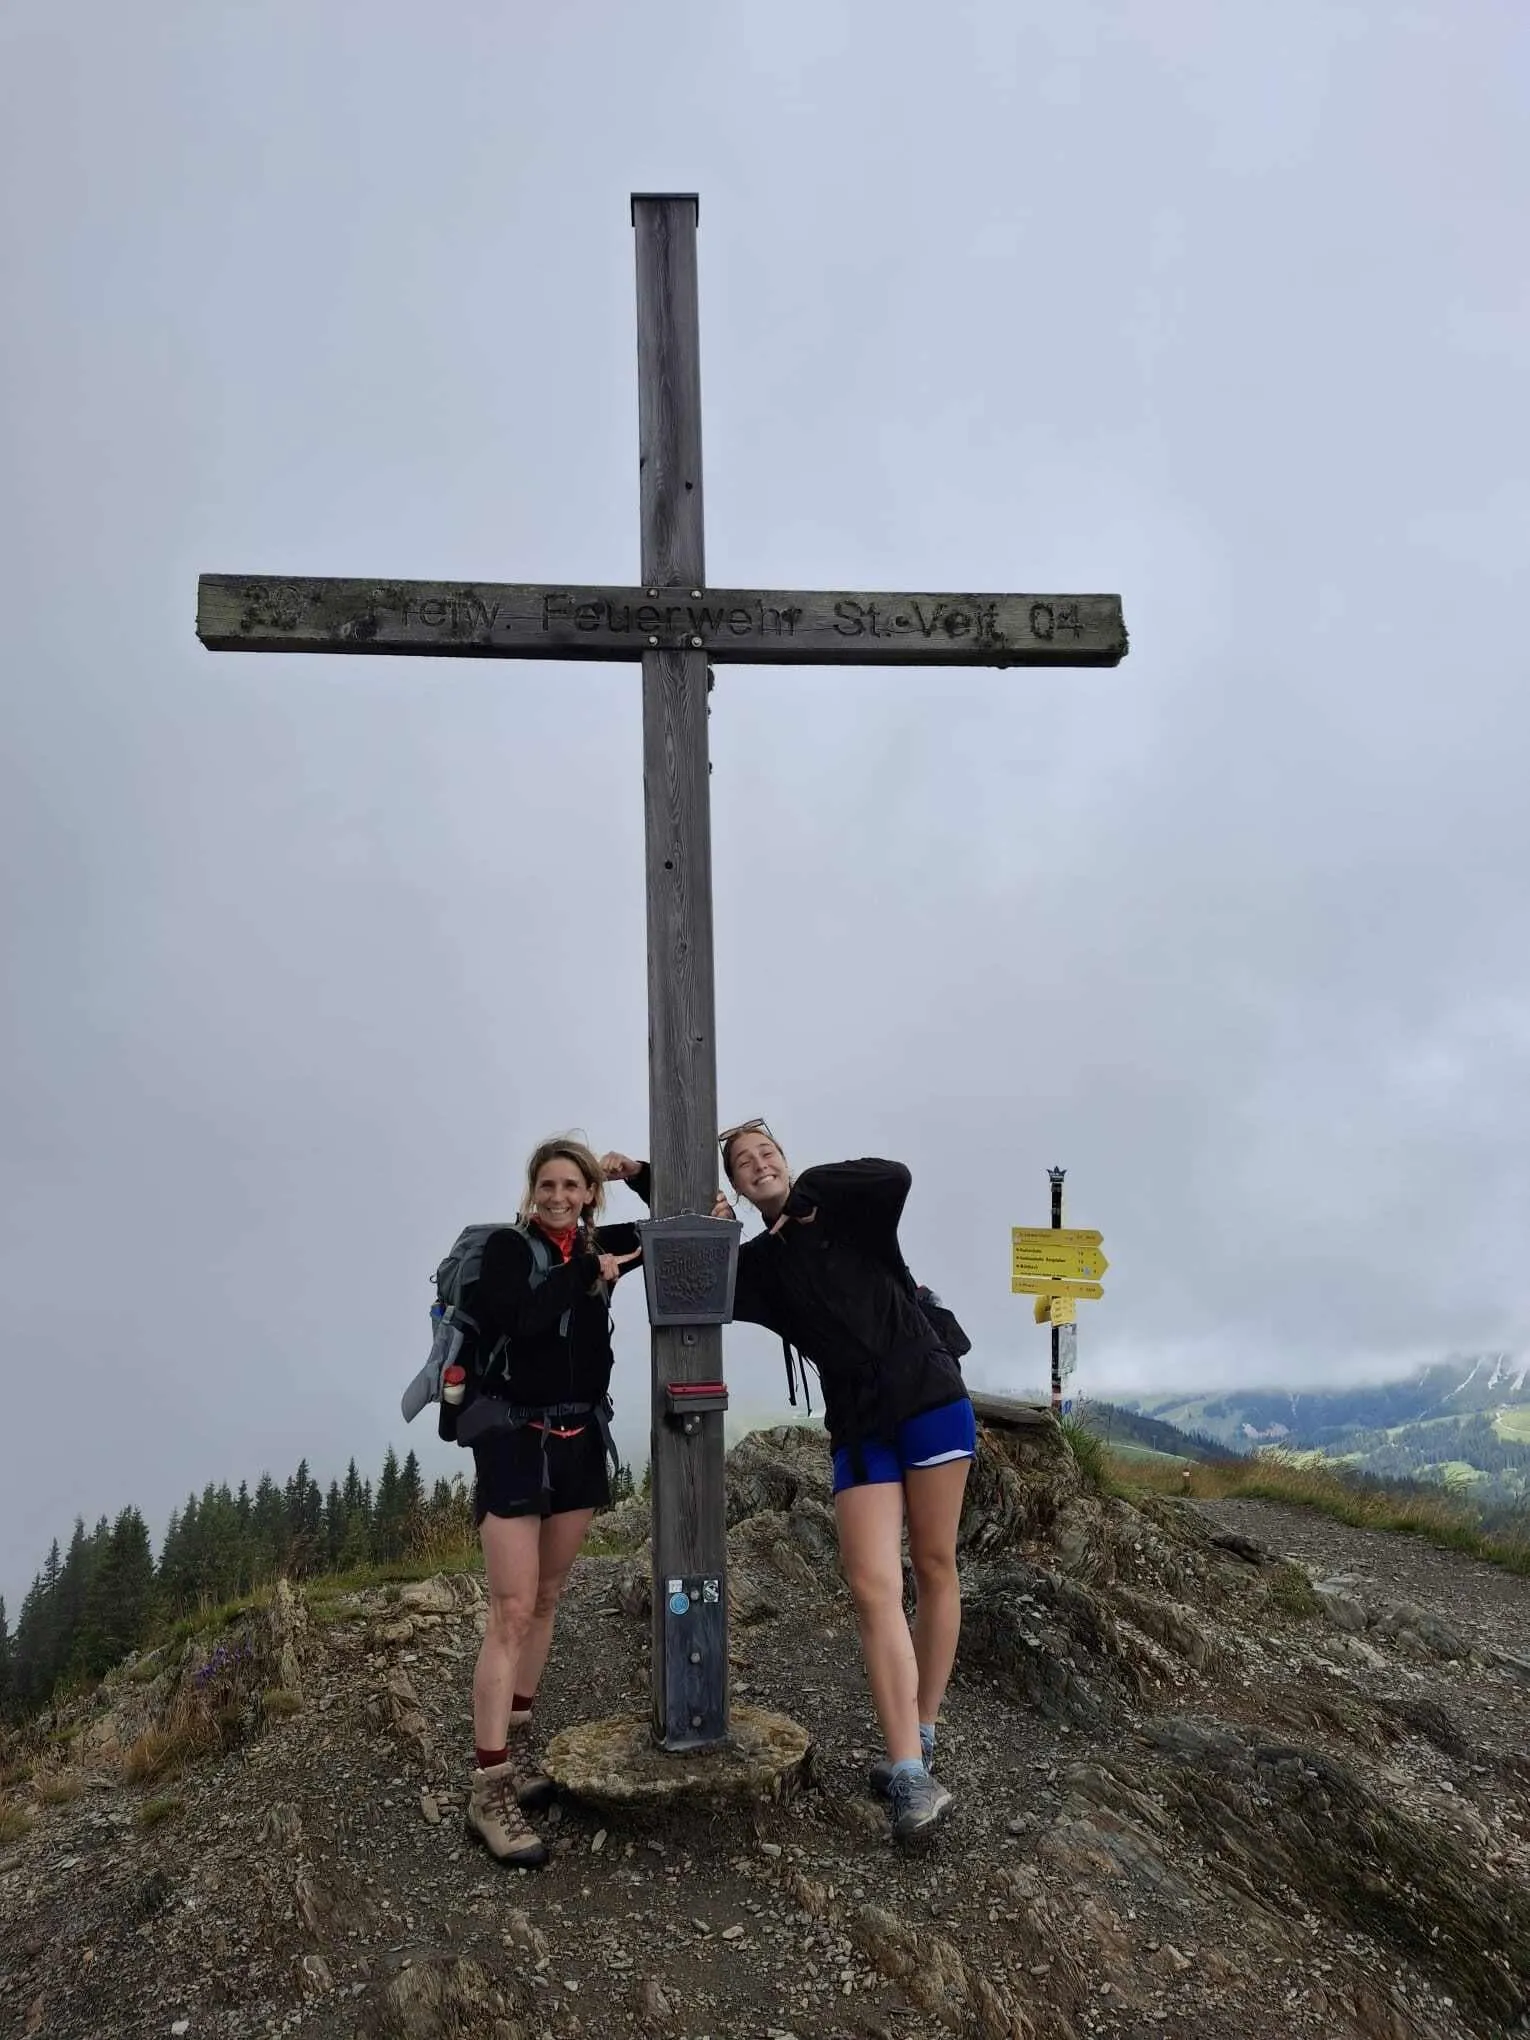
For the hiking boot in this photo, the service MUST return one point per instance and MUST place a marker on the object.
(917, 1803)
(880, 1775)
(494, 1818)
(533, 1787)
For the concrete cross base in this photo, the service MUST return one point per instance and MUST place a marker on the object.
(616, 1763)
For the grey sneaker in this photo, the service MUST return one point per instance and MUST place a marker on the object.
(880, 1775)
(917, 1803)
(494, 1818)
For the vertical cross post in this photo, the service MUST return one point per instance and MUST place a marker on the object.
(1055, 1178)
(690, 1632)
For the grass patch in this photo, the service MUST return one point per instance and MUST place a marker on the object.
(155, 1812)
(60, 1791)
(1291, 1591)
(13, 1824)
(362, 1579)
(162, 1753)
(15, 1771)
(1089, 1453)
(1356, 1499)
(210, 1620)
(277, 1702)
(326, 1608)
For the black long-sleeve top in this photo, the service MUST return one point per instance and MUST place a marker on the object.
(834, 1283)
(547, 1363)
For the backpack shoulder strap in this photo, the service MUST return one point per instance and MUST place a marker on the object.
(541, 1252)
(541, 1265)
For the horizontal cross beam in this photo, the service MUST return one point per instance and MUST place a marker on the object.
(748, 626)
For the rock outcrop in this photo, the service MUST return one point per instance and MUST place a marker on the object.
(1201, 1789)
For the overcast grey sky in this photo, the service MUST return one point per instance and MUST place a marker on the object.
(1211, 303)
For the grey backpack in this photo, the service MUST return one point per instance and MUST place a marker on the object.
(454, 1333)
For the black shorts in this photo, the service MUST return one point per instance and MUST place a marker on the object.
(510, 1473)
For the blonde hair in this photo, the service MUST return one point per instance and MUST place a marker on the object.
(584, 1160)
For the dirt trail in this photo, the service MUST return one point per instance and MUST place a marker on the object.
(1493, 1606)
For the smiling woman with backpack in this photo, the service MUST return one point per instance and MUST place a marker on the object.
(828, 1277)
(536, 1412)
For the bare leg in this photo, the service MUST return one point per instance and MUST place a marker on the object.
(934, 1499)
(557, 1549)
(510, 1571)
(871, 1551)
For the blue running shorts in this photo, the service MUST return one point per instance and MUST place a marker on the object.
(949, 1432)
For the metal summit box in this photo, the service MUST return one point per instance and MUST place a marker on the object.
(689, 1266)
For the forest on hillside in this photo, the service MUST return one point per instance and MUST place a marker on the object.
(104, 1594)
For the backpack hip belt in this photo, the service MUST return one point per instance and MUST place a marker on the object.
(488, 1415)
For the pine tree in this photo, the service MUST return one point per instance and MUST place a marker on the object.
(7, 1683)
(177, 1561)
(28, 1652)
(387, 1517)
(305, 1523)
(268, 1530)
(356, 1545)
(69, 1597)
(334, 1525)
(120, 1601)
(411, 1504)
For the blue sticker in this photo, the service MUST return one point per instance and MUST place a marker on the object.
(679, 1604)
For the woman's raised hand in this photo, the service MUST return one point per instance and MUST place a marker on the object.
(618, 1168)
(611, 1266)
(721, 1208)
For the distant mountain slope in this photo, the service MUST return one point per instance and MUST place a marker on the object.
(1119, 1425)
(1461, 1420)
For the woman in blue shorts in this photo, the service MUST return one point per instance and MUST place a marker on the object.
(828, 1277)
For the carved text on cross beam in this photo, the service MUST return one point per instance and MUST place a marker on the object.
(747, 626)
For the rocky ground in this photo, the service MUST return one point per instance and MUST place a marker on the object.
(1222, 1771)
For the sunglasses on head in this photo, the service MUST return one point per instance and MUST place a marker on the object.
(744, 1126)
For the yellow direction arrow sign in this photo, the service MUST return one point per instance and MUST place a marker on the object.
(1072, 1254)
(1054, 1310)
(1052, 1285)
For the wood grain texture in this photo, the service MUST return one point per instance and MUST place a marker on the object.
(669, 393)
(740, 626)
(690, 1701)
(1009, 1413)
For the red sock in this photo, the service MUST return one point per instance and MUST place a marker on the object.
(522, 1703)
(487, 1759)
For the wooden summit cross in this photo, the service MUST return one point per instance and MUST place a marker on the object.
(679, 627)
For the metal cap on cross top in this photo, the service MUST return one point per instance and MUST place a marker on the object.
(678, 627)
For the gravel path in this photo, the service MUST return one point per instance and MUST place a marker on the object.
(1488, 1603)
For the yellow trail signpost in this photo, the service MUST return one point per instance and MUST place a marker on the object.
(1055, 1310)
(1068, 1253)
(1057, 1264)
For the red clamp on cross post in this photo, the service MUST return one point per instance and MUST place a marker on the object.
(685, 1402)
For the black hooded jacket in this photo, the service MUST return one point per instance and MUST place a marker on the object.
(834, 1283)
(546, 1364)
